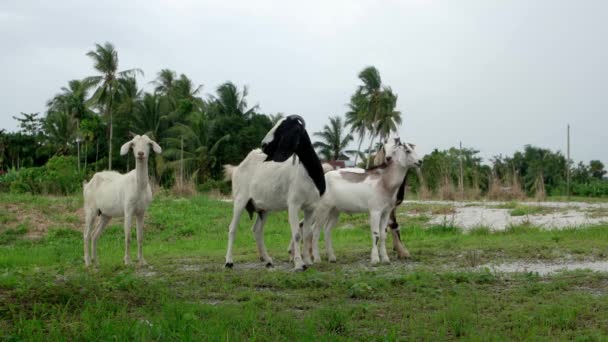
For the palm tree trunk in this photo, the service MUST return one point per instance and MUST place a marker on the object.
(86, 150)
(361, 136)
(111, 130)
(97, 154)
(369, 151)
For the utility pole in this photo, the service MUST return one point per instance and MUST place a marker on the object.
(461, 185)
(568, 164)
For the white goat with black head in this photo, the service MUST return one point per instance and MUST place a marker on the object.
(355, 190)
(111, 194)
(285, 174)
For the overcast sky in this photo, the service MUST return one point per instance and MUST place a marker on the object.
(495, 74)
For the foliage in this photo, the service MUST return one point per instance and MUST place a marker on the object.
(59, 176)
(333, 143)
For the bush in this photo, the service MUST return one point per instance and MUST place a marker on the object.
(59, 176)
(596, 188)
(214, 184)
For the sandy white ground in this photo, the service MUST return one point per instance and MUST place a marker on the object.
(469, 215)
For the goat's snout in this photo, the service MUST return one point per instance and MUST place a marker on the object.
(419, 163)
(140, 155)
(388, 159)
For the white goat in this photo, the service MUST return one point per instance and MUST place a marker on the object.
(398, 245)
(355, 190)
(285, 174)
(110, 194)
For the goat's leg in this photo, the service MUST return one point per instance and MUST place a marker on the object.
(101, 225)
(374, 222)
(383, 230)
(127, 228)
(294, 223)
(306, 233)
(89, 220)
(290, 249)
(258, 231)
(236, 216)
(329, 246)
(316, 232)
(398, 245)
(139, 219)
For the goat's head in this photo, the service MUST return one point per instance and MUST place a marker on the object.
(289, 137)
(402, 153)
(140, 144)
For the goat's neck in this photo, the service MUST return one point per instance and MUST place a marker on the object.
(393, 177)
(141, 173)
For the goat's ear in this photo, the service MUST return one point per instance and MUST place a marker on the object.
(380, 156)
(288, 143)
(156, 147)
(124, 149)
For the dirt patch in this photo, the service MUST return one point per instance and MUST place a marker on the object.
(499, 215)
(548, 268)
(38, 222)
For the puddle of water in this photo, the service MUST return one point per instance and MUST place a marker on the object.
(546, 269)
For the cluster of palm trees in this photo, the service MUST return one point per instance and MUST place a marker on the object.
(90, 117)
(371, 113)
(103, 109)
(372, 110)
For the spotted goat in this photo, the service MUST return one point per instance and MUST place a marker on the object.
(285, 174)
(355, 190)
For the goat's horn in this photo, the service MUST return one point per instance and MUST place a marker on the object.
(295, 116)
(132, 135)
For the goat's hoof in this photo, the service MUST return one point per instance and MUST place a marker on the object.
(229, 265)
(332, 259)
(269, 265)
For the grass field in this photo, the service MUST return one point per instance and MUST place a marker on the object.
(443, 292)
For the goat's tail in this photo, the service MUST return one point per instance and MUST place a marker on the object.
(228, 172)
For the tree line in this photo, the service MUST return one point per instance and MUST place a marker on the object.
(88, 119)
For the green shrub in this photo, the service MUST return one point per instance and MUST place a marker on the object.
(214, 184)
(59, 176)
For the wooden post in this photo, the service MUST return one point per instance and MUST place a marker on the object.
(568, 165)
(461, 180)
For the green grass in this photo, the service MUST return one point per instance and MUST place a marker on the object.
(440, 294)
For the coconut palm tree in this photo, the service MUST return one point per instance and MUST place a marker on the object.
(165, 81)
(149, 115)
(376, 106)
(105, 59)
(388, 118)
(357, 120)
(333, 140)
(229, 101)
(198, 154)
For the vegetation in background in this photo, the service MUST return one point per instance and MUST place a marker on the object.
(89, 119)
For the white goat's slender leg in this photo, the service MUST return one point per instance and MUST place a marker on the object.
(127, 228)
(294, 223)
(101, 225)
(374, 222)
(236, 216)
(329, 246)
(316, 233)
(258, 232)
(89, 219)
(398, 245)
(139, 219)
(306, 233)
(383, 230)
